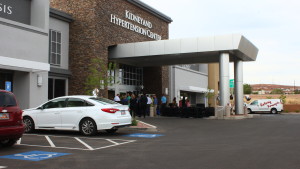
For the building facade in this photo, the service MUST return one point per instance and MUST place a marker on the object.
(99, 24)
(47, 50)
(24, 50)
(59, 74)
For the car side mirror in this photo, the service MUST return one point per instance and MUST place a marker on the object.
(40, 108)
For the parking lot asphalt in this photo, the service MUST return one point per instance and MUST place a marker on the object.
(267, 141)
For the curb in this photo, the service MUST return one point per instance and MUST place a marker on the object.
(144, 127)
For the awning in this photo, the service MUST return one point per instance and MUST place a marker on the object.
(23, 65)
(194, 89)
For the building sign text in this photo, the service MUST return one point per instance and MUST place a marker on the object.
(135, 28)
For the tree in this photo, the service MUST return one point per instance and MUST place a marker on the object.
(297, 91)
(98, 77)
(277, 91)
(247, 89)
(283, 98)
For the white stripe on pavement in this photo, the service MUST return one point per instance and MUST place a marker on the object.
(50, 141)
(86, 145)
(112, 141)
(3, 167)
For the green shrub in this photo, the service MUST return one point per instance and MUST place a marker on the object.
(283, 98)
(134, 122)
(297, 111)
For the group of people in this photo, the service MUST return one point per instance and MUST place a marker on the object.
(184, 102)
(140, 105)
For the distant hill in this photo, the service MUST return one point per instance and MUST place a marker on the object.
(267, 88)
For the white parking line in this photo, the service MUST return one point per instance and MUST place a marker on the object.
(3, 167)
(50, 141)
(114, 145)
(86, 145)
(114, 142)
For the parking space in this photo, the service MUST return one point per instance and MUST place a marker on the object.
(72, 143)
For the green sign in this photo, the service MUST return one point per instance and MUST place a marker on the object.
(231, 83)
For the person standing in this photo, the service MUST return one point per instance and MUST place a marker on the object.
(117, 98)
(155, 102)
(149, 102)
(143, 102)
(133, 106)
(163, 104)
(174, 103)
(128, 98)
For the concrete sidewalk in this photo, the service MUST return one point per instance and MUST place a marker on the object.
(143, 126)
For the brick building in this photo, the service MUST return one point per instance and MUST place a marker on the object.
(98, 25)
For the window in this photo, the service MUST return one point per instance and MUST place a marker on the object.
(55, 47)
(130, 75)
(7, 100)
(111, 76)
(57, 103)
(74, 102)
(254, 102)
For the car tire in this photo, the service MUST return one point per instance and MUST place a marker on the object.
(273, 111)
(8, 142)
(249, 111)
(29, 124)
(111, 131)
(88, 127)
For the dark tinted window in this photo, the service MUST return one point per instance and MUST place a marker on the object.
(7, 100)
(57, 103)
(74, 102)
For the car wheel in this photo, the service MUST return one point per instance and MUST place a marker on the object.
(249, 111)
(29, 124)
(88, 127)
(273, 111)
(8, 142)
(110, 131)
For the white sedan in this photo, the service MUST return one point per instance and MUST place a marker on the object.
(86, 114)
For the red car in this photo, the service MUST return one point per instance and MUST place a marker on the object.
(11, 123)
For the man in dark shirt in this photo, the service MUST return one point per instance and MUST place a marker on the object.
(143, 102)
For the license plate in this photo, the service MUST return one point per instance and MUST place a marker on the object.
(123, 112)
(4, 116)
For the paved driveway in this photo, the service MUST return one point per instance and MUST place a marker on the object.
(271, 141)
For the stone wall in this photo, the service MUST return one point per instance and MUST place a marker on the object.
(92, 33)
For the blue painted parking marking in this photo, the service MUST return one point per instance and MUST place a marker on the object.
(34, 155)
(143, 135)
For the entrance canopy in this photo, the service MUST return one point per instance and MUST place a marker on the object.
(183, 51)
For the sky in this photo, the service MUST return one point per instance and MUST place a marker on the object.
(273, 26)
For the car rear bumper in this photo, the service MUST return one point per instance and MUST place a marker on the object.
(12, 132)
(114, 123)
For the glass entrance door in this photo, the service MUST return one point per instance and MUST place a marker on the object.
(57, 88)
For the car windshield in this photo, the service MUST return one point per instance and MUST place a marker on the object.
(103, 100)
(7, 100)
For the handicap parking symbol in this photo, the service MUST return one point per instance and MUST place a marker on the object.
(35, 155)
(143, 135)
